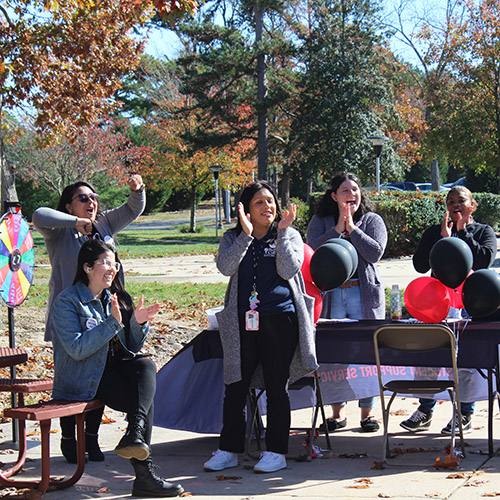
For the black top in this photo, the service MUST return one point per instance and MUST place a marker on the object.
(480, 238)
(273, 291)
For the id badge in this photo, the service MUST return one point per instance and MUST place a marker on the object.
(251, 321)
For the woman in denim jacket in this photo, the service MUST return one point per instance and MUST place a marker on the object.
(97, 334)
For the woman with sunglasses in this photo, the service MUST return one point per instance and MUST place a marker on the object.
(75, 220)
(97, 334)
(65, 229)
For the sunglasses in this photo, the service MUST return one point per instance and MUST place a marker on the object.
(108, 264)
(84, 198)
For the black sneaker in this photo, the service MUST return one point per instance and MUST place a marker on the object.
(419, 421)
(466, 426)
(369, 424)
(333, 424)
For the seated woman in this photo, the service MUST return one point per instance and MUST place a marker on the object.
(97, 334)
(481, 239)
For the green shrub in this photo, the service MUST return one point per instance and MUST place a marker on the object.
(408, 213)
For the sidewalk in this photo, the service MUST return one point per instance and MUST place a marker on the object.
(347, 473)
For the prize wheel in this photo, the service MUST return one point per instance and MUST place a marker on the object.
(17, 259)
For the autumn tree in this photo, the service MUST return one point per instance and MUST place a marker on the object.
(188, 166)
(469, 115)
(61, 60)
(92, 151)
(428, 30)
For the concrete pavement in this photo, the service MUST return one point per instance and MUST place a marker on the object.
(345, 473)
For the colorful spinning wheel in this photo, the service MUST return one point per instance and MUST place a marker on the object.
(17, 259)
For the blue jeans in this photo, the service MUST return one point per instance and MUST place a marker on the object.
(427, 406)
(346, 303)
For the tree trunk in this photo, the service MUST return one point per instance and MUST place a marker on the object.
(7, 185)
(435, 175)
(192, 222)
(285, 187)
(262, 140)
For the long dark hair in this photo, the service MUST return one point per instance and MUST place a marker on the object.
(327, 206)
(68, 194)
(90, 252)
(246, 197)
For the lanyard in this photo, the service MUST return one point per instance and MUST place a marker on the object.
(253, 300)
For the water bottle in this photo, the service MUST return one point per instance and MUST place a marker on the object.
(396, 311)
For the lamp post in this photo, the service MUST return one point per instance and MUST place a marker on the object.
(215, 171)
(377, 143)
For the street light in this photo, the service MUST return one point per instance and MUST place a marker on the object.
(377, 142)
(215, 171)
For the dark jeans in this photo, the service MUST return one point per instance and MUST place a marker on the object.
(427, 406)
(126, 385)
(273, 346)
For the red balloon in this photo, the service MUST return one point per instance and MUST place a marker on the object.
(427, 300)
(456, 300)
(313, 291)
(306, 265)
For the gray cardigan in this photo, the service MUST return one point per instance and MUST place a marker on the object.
(289, 258)
(369, 238)
(63, 241)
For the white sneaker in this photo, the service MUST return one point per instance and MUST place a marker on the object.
(270, 462)
(221, 460)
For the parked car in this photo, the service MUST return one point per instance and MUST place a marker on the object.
(427, 186)
(403, 186)
(459, 182)
(389, 187)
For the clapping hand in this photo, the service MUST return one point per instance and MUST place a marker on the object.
(288, 217)
(246, 224)
(346, 221)
(115, 308)
(446, 226)
(143, 314)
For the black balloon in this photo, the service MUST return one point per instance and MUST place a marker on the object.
(350, 248)
(481, 293)
(451, 260)
(331, 265)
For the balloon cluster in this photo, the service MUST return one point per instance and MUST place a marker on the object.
(455, 285)
(332, 264)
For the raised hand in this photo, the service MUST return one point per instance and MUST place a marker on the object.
(84, 226)
(446, 226)
(134, 182)
(143, 314)
(288, 217)
(246, 224)
(115, 308)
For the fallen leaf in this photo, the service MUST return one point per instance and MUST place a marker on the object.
(476, 483)
(364, 480)
(384, 495)
(104, 489)
(495, 494)
(358, 486)
(460, 475)
(106, 419)
(186, 494)
(378, 465)
(221, 477)
(447, 463)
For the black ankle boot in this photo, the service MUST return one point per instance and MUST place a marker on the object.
(132, 445)
(68, 449)
(148, 484)
(92, 448)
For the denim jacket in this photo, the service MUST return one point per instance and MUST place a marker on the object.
(82, 329)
